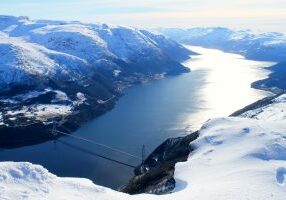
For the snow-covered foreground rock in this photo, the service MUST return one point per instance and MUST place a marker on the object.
(235, 158)
(27, 181)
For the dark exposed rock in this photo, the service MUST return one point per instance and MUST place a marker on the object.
(155, 174)
(23, 133)
(260, 103)
(276, 81)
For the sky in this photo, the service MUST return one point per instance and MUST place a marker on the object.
(260, 15)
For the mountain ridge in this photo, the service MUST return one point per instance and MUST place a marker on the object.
(88, 64)
(268, 46)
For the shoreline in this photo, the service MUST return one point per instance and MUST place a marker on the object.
(13, 137)
(178, 151)
(156, 173)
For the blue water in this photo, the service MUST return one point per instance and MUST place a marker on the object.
(147, 115)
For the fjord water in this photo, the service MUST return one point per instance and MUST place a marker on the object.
(218, 85)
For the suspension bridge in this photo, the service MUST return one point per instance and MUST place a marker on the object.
(56, 132)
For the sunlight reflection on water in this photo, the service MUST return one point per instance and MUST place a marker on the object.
(227, 87)
(149, 114)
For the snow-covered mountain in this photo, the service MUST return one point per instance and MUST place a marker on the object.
(269, 46)
(96, 45)
(276, 81)
(242, 157)
(29, 63)
(63, 68)
(259, 46)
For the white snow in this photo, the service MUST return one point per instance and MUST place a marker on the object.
(43, 112)
(18, 57)
(236, 158)
(246, 42)
(21, 60)
(1, 119)
(100, 101)
(80, 99)
(26, 181)
(60, 96)
(116, 72)
(60, 106)
(70, 49)
(23, 110)
(276, 111)
(30, 94)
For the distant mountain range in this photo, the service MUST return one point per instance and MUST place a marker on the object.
(71, 71)
(55, 75)
(258, 46)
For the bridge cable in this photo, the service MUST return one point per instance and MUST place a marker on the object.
(95, 154)
(99, 144)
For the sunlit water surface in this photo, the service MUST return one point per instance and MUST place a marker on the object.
(226, 87)
(218, 85)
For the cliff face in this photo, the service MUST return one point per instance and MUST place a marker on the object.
(155, 174)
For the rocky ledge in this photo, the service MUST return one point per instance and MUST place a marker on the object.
(155, 174)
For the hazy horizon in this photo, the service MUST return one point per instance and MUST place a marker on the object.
(257, 15)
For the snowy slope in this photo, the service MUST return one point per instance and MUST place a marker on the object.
(261, 46)
(275, 111)
(101, 46)
(235, 158)
(95, 60)
(20, 60)
(27, 181)
(47, 48)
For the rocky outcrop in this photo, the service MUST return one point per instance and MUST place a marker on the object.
(258, 104)
(276, 81)
(155, 174)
